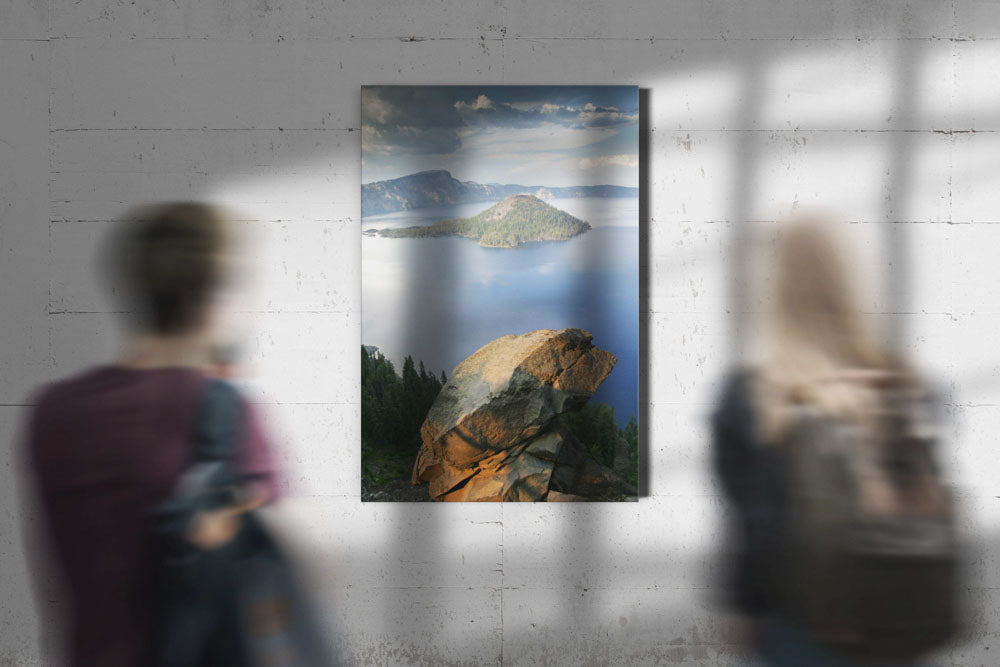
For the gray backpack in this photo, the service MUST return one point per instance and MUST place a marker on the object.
(870, 543)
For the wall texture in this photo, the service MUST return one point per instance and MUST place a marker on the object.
(886, 112)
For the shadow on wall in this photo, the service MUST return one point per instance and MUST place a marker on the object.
(589, 580)
(418, 527)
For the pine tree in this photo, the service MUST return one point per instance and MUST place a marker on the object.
(393, 407)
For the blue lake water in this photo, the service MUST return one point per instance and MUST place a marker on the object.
(441, 299)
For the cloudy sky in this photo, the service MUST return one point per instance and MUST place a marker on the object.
(530, 135)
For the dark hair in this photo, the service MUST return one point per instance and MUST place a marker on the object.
(170, 257)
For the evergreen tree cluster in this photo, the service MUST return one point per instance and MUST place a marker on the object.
(392, 409)
(595, 427)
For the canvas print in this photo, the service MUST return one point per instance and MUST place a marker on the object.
(500, 287)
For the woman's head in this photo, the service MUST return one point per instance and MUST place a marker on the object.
(816, 311)
(820, 348)
(172, 261)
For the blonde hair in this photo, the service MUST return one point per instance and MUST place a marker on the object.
(820, 344)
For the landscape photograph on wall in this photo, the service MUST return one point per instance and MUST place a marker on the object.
(499, 293)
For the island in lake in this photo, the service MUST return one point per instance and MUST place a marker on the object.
(515, 220)
(437, 187)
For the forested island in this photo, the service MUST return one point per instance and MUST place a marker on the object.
(515, 220)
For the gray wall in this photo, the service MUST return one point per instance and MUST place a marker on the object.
(885, 112)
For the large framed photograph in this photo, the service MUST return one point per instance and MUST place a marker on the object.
(500, 292)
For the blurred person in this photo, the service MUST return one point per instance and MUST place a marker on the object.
(843, 527)
(107, 446)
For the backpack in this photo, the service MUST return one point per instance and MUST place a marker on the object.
(870, 540)
(237, 605)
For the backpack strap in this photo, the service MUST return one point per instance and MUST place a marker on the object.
(210, 480)
(216, 431)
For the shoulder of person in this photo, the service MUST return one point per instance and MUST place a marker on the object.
(215, 387)
(738, 384)
(221, 400)
(735, 403)
(54, 393)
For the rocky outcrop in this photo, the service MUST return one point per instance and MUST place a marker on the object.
(493, 434)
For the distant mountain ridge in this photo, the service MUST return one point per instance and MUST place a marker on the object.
(515, 220)
(438, 187)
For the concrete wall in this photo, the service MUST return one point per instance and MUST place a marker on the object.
(885, 111)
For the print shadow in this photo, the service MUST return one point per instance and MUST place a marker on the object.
(589, 536)
(645, 261)
(418, 528)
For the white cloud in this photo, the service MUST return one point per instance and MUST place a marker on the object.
(482, 102)
(623, 160)
(548, 137)
(523, 106)
(591, 116)
(374, 109)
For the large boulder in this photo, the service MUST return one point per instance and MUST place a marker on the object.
(493, 433)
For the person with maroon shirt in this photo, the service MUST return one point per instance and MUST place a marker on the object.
(107, 446)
